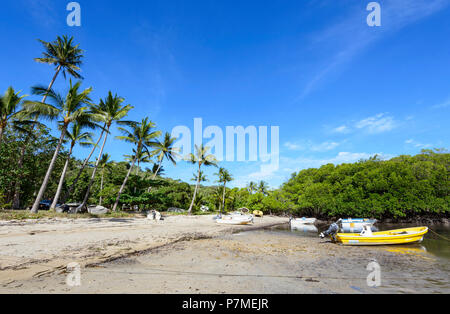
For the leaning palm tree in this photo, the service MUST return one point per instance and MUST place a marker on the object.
(141, 158)
(75, 136)
(66, 110)
(84, 165)
(157, 169)
(65, 56)
(201, 158)
(143, 136)
(165, 149)
(224, 177)
(107, 111)
(104, 164)
(9, 110)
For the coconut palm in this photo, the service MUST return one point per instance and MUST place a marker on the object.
(143, 136)
(251, 187)
(224, 177)
(107, 111)
(75, 136)
(203, 177)
(66, 110)
(263, 187)
(84, 165)
(9, 111)
(104, 164)
(166, 150)
(157, 169)
(65, 56)
(201, 158)
(142, 157)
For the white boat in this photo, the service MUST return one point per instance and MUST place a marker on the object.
(305, 228)
(301, 222)
(235, 219)
(352, 225)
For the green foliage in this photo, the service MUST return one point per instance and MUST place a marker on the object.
(405, 186)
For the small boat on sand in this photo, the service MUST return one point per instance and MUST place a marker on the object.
(367, 237)
(300, 222)
(235, 219)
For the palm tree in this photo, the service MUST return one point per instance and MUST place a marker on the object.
(224, 177)
(142, 136)
(203, 177)
(201, 158)
(104, 164)
(9, 114)
(67, 110)
(166, 150)
(107, 111)
(75, 136)
(262, 188)
(155, 168)
(251, 187)
(83, 166)
(142, 157)
(65, 56)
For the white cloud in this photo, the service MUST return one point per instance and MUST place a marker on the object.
(325, 146)
(377, 124)
(417, 144)
(292, 146)
(443, 104)
(342, 129)
(309, 145)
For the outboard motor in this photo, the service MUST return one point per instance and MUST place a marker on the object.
(334, 228)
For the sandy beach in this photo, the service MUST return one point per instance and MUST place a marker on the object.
(30, 249)
(193, 255)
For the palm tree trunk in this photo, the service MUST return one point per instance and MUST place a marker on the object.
(86, 161)
(40, 195)
(159, 168)
(223, 198)
(16, 202)
(123, 185)
(1, 135)
(101, 187)
(195, 191)
(61, 180)
(91, 181)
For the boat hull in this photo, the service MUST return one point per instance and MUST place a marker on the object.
(392, 237)
(235, 219)
(300, 222)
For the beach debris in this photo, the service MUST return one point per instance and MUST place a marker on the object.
(97, 210)
(154, 215)
(62, 209)
(175, 210)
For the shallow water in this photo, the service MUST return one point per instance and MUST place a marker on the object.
(433, 242)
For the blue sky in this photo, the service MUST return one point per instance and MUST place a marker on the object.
(338, 89)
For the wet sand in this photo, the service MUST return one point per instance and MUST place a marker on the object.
(30, 249)
(254, 262)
